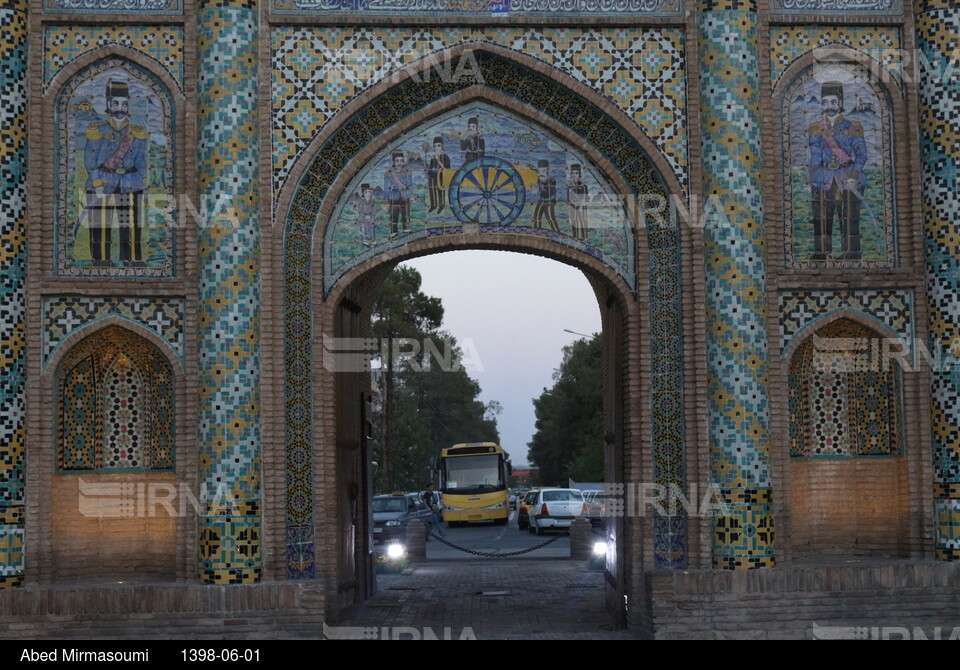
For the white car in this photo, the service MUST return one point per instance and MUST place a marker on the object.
(555, 509)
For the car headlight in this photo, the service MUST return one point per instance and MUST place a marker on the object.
(392, 523)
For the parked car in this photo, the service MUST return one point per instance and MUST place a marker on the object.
(555, 509)
(596, 502)
(392, 513)
(523, 509)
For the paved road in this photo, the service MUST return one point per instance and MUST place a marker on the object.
(541, 594)
(486, 599)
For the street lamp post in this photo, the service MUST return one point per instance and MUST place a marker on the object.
(573, 332)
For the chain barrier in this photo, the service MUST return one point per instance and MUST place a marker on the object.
(491, 554)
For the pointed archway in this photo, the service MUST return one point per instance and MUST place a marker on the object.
(642, 301)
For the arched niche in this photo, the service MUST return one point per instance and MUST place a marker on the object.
(114, 500)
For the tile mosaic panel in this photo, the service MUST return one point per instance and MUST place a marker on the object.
(891, 307)
(502, 172)
(556, 102)
(880, 43)
(150, 7)
(317, 71)
(64, 315)
(838, 7)
(937, 25)
(11, 555)
(115, 405)
(735, 282)
(229, 308)
(844, 401)
(840, 202)
(63, 44)
(490, 7)
(115, 195)
(13, 267)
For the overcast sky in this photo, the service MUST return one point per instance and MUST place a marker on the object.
(509, 311)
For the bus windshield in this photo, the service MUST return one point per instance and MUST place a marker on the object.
(473, 474)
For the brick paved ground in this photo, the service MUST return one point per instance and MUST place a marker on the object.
(489, 599)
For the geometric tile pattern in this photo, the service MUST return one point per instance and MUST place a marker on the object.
(317, 71)
(63, 315)
(666, 403)
(496, 7)
(841, 403)
(836, 7)
(229, 308)
(881, 43)
(13, 261)
(735, 279)
(947, 514)
(162, 43)
(114, 6)
(937, 26)
(555, 102)
(229, 546)
(891, 307)
(115, 405)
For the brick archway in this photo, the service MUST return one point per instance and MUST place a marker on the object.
(322, 437)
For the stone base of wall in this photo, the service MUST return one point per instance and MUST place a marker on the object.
(863, 600)
(163, 611)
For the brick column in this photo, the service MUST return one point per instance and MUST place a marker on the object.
(229, 305)
(13, 260)
(735, 283)
(937, 26)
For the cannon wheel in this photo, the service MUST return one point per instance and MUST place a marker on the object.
(487, 190)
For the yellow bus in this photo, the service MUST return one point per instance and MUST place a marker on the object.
(473, 481)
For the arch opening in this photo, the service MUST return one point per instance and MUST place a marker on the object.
(324, 415)
(114, 487)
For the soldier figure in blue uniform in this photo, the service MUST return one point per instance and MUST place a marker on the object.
(546, 205)
(473, 145)
(115, 155)
(838, 154)
(398, 188)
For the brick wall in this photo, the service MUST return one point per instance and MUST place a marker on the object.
(907, 599)
(853, 507)
(174, 611)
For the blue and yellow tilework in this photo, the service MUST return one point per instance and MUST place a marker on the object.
(735, 284)
(13, 260)
(317, 71)
(890, 307)
(64, 315)
(880, 43)
(162, 43)
(560, 104)
(937, 25)
(229, 308)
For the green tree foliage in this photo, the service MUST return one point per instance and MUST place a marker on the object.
(427, 399)
(569, 438)
(403, 316)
